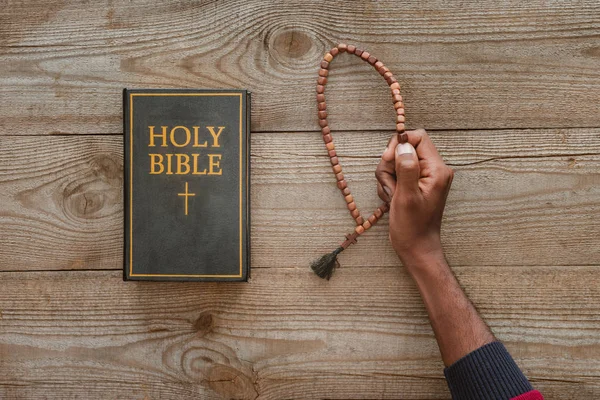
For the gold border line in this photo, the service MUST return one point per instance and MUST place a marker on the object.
(131, 187)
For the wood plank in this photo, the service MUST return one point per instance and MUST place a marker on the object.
(520, 197)
(286, 333)
(485, 64)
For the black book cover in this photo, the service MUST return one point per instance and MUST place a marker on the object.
(187, 183)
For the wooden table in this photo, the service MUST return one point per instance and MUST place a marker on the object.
(510, 92)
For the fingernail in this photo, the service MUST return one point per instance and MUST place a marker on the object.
(388, 191)
(405, 148)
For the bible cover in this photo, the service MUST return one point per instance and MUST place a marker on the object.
(187, 185)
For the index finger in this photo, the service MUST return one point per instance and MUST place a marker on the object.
(425, 148)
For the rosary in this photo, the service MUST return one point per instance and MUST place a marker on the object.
(325, 265)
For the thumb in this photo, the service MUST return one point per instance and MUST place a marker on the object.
(407, 168)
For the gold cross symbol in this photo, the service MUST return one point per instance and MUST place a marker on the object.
(186, 195)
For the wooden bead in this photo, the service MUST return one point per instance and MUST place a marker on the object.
(351, 48)
(334, 52)
(322, 114)
(334, 160)
(332, 153)
(384, 208)
(400, 118)
(400, 127)
(365, 55)
(381, 71)
(378, 213)
(327, 138)
(349, 198)
(355, 213)
(330, 146)
(328, 57)
(400, 111)
(359, 229)
(387, 74)
(324, 64)
(395, 92)
(358, 52)
(372, 219)
(385, 70)
(378, 65)
(395, 85)
(391, 80)
(320, 88)
(339, 176)
(342, 184)
(359, 220)
(397, 98)
(326, 130)
(322, 106)
(351, 206)
(323, 72)
(342, 47)
(398, 105)
(322, 80)
(346, 191)
(402, 138)
(323, 123)
(320, 97)
(366, 225)
(337, 169)
(372, 60)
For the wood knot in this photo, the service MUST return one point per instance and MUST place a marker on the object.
(292, 43)
(204, 323)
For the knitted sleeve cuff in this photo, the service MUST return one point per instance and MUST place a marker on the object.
(488, 373)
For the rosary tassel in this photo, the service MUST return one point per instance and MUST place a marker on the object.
(325, 265)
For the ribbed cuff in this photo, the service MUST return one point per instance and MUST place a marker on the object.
(488, 373)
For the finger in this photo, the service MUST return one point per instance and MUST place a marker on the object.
(383, 194)
(388, 154)
(386, 178)
(423, 145)
(407, 169)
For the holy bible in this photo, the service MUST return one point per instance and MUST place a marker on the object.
(187, 185)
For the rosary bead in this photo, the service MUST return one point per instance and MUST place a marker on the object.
(358, 52)
(334, 52)
(326, 130)
(355, 213)
(327, 138)
(372, 60)
(332, 153)
(378, 65)
(400, 118)
(387, 74)
(378, 213)
(400, 111)
(400, 127)
(385, 70)
(330, 146)
(397, 105)
(323, 123)
(381, 71)
(320, 97)
(349, 198)
(384, 208)
(328, 57)
(403, 138)
(351, 48)
(346, 191)
(395, 92)
(365, 55)
(339, 176)
(396, 98)
(337, 169)
(342, 184)
(322, 106)
(322, 114)
(352, 206)
(359, 220)
(320, 88)
(324, 64)
(372, 219)
(366, 225)
(395, 85)
(359, 229)
(342, 47)
(323, 72)
(334, 160)
(322, 80)
(391, 80)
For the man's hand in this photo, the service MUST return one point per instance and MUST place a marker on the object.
(413, 178)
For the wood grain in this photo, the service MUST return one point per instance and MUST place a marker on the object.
(286, 334)
(522, 197)
(485, 64)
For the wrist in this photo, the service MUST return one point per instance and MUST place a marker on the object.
(423, 258)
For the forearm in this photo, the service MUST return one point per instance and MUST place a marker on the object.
(457, 326)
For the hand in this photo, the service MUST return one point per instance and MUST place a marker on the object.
(413, 178)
